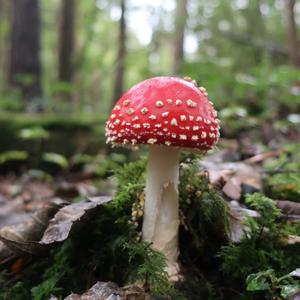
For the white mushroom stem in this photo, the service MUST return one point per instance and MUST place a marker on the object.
(161, 213)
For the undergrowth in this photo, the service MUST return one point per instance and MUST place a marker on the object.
(109, 248)
(283, 180)
(261, 248)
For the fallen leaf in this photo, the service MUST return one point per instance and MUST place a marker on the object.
(18, 265)
(111, 291)
(232, 188)
(19, 238)
(261, 157)
(291, 240)
(231, 176)
(288, 207)
(237, 216)
(61, 225)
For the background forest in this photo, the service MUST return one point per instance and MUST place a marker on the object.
(64, 64)
(78, 56)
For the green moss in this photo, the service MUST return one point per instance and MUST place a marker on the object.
(204, 215)
(108, 248)
(260, 248)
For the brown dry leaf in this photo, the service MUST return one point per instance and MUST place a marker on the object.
(261, 157)
(291, 240)
(231, 176)
(232, 188)
(111, 291)
(61, 225)
(23, 238)
(289, 207)
(237, 216)
(18, 238)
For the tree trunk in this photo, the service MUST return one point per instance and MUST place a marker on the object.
(120, 63)
(181, 16)
(25, 66)
(293, 38)
(4, 42)
(66, 41)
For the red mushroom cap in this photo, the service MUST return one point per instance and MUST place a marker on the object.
(165, 111)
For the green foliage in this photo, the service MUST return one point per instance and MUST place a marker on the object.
(52, 278)
(113, 252)
(275, 287)
(34, 133)
(13, 156)
(284, 179)
(101, 165)
(17, 292)
(260, 248)
(56, 159)
(205, 211)
(149, 270)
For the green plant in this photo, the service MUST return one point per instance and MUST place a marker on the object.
(33, 133)
(274, 287)
(56, 159)
(284, 179)
(260, 247)
(149, 270)
(13, 155)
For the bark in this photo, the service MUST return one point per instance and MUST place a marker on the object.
(4, 42)
(293, 38)
(66, 41)
(25, 65)
(180, 24)
(121, 55)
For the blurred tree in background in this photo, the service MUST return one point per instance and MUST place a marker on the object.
(244, 52)
(66, 43)
(25, 65)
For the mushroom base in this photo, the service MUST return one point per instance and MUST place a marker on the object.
(161, 214)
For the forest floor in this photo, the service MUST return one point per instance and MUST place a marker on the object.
(43, 216)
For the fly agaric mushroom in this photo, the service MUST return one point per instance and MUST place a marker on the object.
(168, 114)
